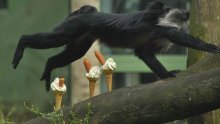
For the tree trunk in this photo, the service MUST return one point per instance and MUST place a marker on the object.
(204, 24)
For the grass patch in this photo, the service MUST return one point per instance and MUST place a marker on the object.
(57, 117)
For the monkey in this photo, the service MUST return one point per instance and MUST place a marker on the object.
(146, 32)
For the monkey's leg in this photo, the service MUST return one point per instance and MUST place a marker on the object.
(70, 54)
(153, 63)
(43, 40)
(37, 41)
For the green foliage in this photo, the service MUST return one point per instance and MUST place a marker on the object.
(86, 120)
(4, 118)
(57, 117)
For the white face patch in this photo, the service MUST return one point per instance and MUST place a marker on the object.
(168, 23)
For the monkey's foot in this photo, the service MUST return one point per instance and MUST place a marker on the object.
(173, 73)
(17, 57)
(46, 77)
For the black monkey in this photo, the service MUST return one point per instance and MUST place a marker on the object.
(147, 32)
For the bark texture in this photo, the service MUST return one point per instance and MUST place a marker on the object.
(204, 24)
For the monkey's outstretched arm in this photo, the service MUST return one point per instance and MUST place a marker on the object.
(188, 40)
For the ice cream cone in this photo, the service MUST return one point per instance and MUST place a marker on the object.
(108, 67)
(87, 64)
(108, 76)
(100, 57)
(93, 75)
(92, 83)
(59, 88)
(58, 100)
(61, 82)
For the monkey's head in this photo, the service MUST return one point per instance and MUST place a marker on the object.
(175, 18)
(179, 15)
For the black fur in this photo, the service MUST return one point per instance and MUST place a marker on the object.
(138, 31)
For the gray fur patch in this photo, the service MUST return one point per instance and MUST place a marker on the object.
(172, 19)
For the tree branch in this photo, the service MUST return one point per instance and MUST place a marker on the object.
(193, 92)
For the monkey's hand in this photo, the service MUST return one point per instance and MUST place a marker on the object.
(210, 48)
(188, 40)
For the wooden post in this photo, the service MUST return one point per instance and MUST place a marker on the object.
(80, 85)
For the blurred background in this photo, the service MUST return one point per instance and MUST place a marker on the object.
(24, 85)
